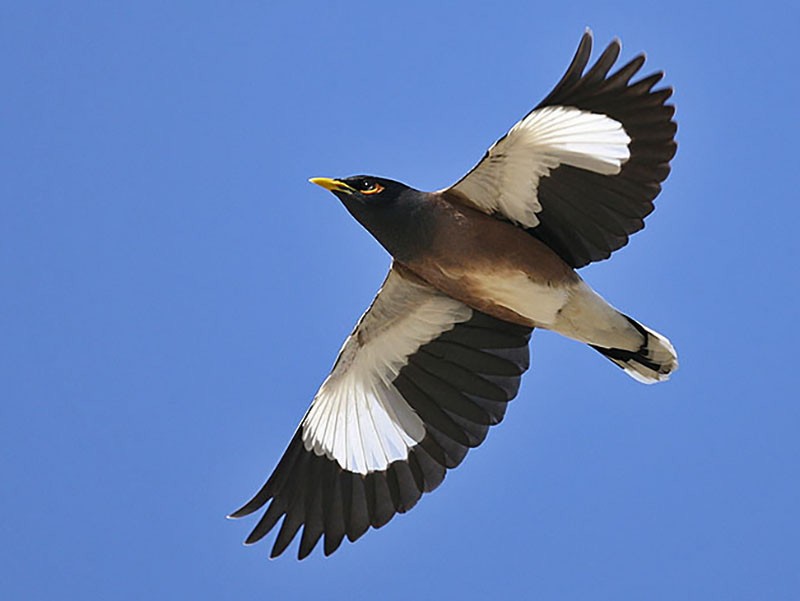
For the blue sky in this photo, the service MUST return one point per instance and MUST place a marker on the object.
(173, 291)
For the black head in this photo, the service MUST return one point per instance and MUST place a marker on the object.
(392, 212)
(363, 188)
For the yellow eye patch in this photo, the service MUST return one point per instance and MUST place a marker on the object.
(374, 188)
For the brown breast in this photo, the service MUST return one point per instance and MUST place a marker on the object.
(469, 244)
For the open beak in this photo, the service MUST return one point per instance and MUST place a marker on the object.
(334, 185)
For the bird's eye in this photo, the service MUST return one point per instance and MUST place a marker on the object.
(368, 186)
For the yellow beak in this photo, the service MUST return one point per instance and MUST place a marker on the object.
(334, 185)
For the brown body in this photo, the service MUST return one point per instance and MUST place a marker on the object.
(470, 247)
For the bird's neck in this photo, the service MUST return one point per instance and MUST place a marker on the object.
(404, 228)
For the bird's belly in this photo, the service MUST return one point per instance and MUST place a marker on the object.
(508, 294)
(572, 309)
(497, 293)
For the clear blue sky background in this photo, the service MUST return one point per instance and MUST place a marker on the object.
(173, 291)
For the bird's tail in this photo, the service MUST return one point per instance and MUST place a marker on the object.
(654, 361)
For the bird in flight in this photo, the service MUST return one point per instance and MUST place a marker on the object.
(476, 266)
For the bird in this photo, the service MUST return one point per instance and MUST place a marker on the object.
(433, 362)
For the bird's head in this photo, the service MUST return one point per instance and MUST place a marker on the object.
(366, 189)
(396, 214)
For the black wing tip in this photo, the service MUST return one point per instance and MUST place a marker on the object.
(331, 544)
(587, 40)
(256, 502)
(667, 92)
(607, 58)
(331, 503)
(252, 540)
(255, 536)
(308, 544)
(374, 514)
(584, 50)
(244, 511)
(286, 535)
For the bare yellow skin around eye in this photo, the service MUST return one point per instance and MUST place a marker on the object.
(375, 189)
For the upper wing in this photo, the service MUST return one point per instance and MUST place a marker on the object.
(417, 383)
(581, 170)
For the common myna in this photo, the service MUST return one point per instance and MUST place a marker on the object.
(476, 266)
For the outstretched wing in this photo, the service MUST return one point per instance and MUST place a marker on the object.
(417, 383)
(581, 170)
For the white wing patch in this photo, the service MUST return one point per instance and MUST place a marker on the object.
(358, 418)
(507, 179)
